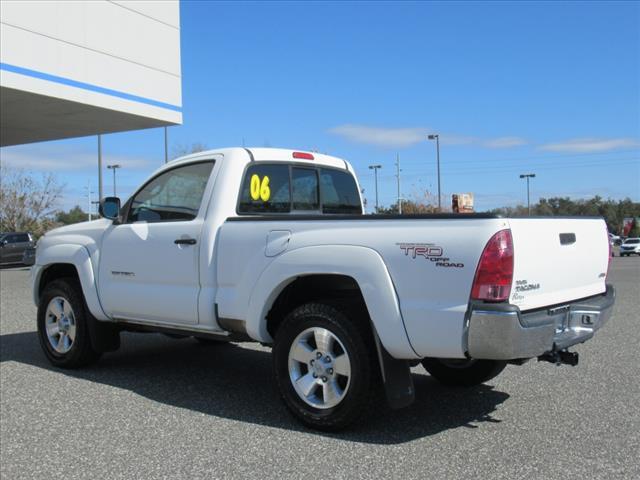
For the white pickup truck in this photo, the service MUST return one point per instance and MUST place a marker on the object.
(272, 246)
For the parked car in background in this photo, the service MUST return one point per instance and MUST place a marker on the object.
(13, 246)
(614, 239)
(630, 246)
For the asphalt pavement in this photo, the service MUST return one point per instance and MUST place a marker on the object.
(165, 408)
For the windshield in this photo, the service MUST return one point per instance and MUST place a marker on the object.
(632, 240)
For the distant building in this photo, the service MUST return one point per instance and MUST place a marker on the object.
(76, 68)
(462, 202)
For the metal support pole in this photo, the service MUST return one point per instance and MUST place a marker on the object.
(100, 192)
(166, 146)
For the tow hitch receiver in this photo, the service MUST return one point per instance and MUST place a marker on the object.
(560, 357)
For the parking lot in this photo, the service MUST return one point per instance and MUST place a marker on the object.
(165, 408)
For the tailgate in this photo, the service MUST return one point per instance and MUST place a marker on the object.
(557, 260)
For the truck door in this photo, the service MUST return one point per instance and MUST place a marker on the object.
(149, 263)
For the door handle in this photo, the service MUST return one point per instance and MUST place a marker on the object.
(185, 241)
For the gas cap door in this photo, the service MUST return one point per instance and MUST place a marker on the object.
(277, 242)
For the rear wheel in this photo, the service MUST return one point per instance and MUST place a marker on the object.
(464, 372)
(324, 366)
(63, 325)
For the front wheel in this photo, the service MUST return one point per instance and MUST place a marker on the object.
(465, 372)
(63, 328)
(324, 365)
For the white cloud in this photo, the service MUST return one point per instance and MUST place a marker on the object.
(504, 142)
(56, 159)
(382, 137)
(449, 139)
(588, 145)
(406, 137)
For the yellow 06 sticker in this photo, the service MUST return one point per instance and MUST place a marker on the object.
(260, 188)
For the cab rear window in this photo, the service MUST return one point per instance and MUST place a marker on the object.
(266, 189)
(284, 188)
(339, 192)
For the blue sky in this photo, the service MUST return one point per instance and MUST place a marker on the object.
(549, 88)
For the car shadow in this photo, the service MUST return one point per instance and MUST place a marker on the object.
(235, 382)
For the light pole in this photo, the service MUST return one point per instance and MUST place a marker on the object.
(436, 137)
(398, 170)
(89, 193)
(114, 167)
(528, 176)
(375, 171)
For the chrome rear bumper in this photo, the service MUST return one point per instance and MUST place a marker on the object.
(503, 332)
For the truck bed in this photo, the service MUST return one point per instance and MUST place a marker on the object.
(431, 260)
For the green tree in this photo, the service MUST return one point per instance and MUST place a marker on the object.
(613, 211)
(75, 215)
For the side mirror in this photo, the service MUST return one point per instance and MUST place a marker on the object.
(109, 207)
(3, 243)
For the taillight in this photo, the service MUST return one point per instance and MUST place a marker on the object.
(494, 274)
(303, 155)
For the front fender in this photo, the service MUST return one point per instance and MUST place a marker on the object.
(362, 264)
(78, 256)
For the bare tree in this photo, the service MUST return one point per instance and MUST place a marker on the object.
(27, 202)
(180, 150)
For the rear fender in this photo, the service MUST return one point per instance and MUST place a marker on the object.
(362, 264)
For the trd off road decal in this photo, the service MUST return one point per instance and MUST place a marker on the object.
(430, 252)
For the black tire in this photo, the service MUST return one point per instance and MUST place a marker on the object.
(463, 373)
(81, 351)
(350, 326)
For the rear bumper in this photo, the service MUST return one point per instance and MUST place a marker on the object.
(503, 332)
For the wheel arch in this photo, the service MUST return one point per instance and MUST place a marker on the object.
(61, 261)
(352, 270)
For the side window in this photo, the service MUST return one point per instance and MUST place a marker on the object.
(173, 196)
(339, 192)
(11, 238)
(23, 237)
(304, 189)
(265, 189)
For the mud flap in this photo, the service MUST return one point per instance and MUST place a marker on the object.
(396, 377)
(104, 336)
